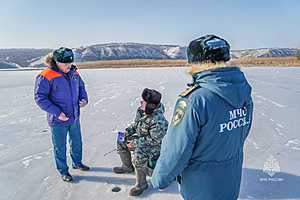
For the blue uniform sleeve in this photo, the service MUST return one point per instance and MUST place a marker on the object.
(178, 144)
(41, 96)
(82, 91)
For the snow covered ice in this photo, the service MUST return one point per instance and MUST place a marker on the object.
(27, 167)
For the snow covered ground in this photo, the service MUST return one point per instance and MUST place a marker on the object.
(27, 168)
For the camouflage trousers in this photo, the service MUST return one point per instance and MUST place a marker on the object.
(140, 155)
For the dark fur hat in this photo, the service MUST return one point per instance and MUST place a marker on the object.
(208, 48)
(152, 97)
(63, 55)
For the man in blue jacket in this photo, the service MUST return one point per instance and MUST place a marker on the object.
(203, 147)
(60, 91)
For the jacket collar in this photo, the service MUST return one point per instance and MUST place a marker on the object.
(195, 68)
(199, 70)
(71, 72)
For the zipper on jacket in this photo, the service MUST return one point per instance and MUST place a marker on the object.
(70, 87)
(55, 68)
(70, 84)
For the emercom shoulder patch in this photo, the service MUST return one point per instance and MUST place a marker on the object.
(182, 104)
(177, 117)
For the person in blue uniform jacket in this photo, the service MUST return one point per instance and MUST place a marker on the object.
(60, 91)
(203, 147)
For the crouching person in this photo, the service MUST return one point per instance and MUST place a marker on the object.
(143, 138)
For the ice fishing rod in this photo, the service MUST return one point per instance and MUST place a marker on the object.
(109, 152)
(120, 139)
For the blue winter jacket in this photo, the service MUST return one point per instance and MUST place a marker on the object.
(203, 147)
(56, 92)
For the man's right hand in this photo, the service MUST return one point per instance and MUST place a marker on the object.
(126, 133)
(63, 117)
(130, 144)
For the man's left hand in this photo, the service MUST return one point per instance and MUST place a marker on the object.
(130, 144)
(82, 103)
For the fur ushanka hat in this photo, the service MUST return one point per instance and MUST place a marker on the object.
(152, 97)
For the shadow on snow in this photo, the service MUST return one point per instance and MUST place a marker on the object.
(255, 184)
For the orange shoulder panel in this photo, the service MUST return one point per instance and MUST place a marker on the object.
(49, 74)
(76, 72)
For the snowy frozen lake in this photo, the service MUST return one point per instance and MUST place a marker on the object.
(27, 168)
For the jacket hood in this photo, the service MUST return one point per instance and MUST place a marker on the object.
(227, 82)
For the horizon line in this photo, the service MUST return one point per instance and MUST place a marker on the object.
(111, 43)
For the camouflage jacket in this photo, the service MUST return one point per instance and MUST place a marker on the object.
(148, 131)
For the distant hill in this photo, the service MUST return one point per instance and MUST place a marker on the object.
(121, 51)
(6, 65)
(22, 57)
(117, 51)
(264, 52)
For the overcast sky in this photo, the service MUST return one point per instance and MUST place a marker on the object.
(245, 24)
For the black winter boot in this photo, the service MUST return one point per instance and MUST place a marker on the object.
(127, 166)
(141, 182)
(149, 171)
(82, 167)
(66, 177)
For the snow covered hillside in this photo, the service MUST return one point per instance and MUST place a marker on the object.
(264, 52)
(22, 57)
(115, 51)
(120, 51)
(27, 168)
(6, 65)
